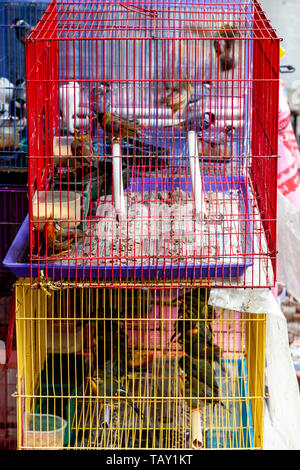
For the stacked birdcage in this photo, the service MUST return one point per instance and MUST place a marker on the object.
(152, 179)
(17, 18)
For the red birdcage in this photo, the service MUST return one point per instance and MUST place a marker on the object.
(152, 143)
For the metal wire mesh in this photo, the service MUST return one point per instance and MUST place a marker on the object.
(153, 142)
(133, 368)
(13, 124)
(14, 207)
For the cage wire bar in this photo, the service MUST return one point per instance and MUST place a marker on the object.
(13, 123)
(118, 368)
(153, 144)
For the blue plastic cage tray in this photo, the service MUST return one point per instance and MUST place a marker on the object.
(90, 268)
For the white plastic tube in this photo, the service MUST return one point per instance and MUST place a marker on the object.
(144, 112)
(118, 189)
(196, 175)
(196, 430)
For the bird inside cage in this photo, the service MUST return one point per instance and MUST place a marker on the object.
(22, 29)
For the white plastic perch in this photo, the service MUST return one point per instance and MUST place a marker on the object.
(196, 175)
(196, 430)
(118, 189)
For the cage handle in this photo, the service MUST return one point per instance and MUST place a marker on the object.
(287, 69)
(145, 11)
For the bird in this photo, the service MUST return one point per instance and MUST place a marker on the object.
(63, 242)
(190, 312)
(118, 127)
(197, 393)
(110, 344)
(182, 326)
(7, 90)
(224, 46)
(194, 295)
(176, 95)
(199, 369)
(50, 230)
(82, 146)
(55, 244)
(197, 340)
(18, 100)
(22, 29)
(109, 388)
(140, 359)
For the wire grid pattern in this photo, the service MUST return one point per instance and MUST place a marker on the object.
(13, 126)
(14, 207)
(131, 99)
(78, 335)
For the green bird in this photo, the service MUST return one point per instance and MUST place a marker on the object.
(110, 346)
(109, 388)
(192, 297)
(196, 340)
(201, 370)
(197, 393)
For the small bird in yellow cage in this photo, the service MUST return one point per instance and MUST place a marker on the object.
(118, 127)
(201, 370)
(198, 342)
(109, 389)
(196, 339)
(197, 393)
(189, 318)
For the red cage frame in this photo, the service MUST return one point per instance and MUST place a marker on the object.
(65, 26)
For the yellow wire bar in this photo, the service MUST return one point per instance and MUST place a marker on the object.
(136, 368)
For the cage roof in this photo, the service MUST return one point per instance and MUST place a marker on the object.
(168, 19)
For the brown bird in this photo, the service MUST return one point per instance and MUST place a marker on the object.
(140, 359)
(82, 146)
(50, 230)
(224, 46)
(118, 127)
(59, 244)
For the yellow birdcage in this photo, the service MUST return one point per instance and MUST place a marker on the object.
(137, 369)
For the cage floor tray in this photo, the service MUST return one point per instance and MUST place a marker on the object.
(95, 258)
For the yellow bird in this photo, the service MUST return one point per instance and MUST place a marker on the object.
(176, 96)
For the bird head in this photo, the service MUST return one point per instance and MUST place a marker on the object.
(14, 23)
(81, 137)
(228, 31)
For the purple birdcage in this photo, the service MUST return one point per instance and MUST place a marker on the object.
(13, 203)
